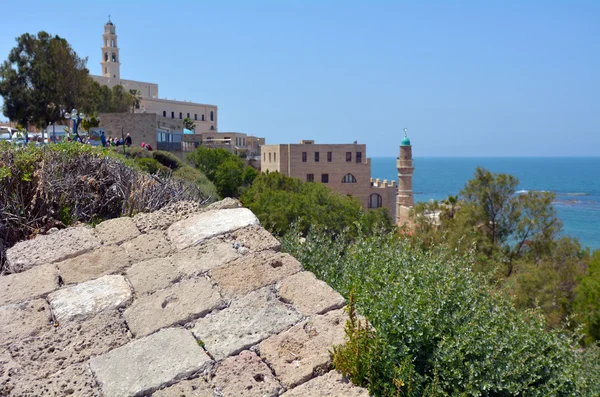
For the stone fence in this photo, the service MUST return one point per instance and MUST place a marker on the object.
(180, 302)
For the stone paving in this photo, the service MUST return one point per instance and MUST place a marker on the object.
(186, 301)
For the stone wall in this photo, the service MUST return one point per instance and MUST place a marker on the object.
(186, 301)
(141, 126)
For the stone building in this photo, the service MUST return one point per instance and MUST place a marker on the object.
(405, 200)
(203, 115)
(345, 168)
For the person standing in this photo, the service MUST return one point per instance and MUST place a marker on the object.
(102, 138)
(128, 140)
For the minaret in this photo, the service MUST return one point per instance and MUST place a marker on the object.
(405, 199)
(110, 52)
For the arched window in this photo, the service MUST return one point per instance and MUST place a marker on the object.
(106, 56)
(114, 57)
(112, 43)
(212, 116)
(106, 43)
(269, 157)
(105, 70)
(202, 117)
(348, 178)
(265, 157)
(275, 157)
(375, 201)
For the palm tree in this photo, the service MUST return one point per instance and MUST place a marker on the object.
(135, 96)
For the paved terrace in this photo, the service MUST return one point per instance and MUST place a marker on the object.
(181, 302)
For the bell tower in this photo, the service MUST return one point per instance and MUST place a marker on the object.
(110, 52)
(405, 200)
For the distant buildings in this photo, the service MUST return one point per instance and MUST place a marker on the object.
(166, 129)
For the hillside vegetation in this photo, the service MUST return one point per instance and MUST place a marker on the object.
(58, 185)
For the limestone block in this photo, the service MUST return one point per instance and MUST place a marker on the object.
(118, 230)
(303, 351)
(178, 304)
(54, 349)
(310, 295)
(256, 238)
(245, 375)
(23, 320)
(32, 283)
(100, 262)
(147, 246)
(152, 274)
(332, 384)
(143, 366)
(226, 203)
(254, 271)
(201, 258)
(166, 216)
(76, 380)
(246, 321)
(91, 297)
(202, 226)
(50, 248)
(197, 387)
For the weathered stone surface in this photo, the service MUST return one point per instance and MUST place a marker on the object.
(254, 271)
(50, 248)
(32, 283)
(226, 203)
(245, 375)
(89, 298)
(76, 380)
(208, 255)
(246, 321)
(202, 226)
(152, 275)
(178, 304)
(142, 366)
(147, 246)
(23, 320)
(56, 348)
(197, 387)
(166, 216)
(256, 238)
(118, 230)
(310, 295)
(303, 351)
(332, 384)
(100, 262)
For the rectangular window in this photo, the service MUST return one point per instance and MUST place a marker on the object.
(316, 157)
(275, 157)
(359, 157)
(329, 157)
(310, 177)
(348, 157)
(164, 113)
(195, 116)
(188, 115)
(304, 157)
(202, 117)
(180, 115)
(172, 115)
(325, 178)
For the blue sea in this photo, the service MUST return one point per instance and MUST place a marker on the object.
(574, 180)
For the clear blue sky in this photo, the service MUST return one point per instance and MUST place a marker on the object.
(468, 78)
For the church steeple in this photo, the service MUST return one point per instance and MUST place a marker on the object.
(111, 65)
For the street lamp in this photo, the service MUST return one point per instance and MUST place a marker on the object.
(76, 119)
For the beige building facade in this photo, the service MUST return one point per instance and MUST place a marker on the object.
(344, 168)
(203, 115)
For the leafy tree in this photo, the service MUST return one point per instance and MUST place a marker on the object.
(91, 123)
(586, 305)
(229, 177)
(135, 96)
(189, 124)
(208, 160)
(42, 77)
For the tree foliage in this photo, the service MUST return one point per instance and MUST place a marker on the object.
(438, 328)
(188, 124)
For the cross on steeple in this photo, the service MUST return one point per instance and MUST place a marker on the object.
(405, 131)
(108, 17)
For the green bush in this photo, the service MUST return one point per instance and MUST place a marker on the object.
(167, 159)
(439, 329)
(151, 166)
(193, 175)
(136, 152)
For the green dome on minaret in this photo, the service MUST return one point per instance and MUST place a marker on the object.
(405, 140)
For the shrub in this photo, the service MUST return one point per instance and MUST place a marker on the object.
(151, 166)
(193, 175)
(439, 329)
(43, 187)
(167, 159)
(136, 152)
